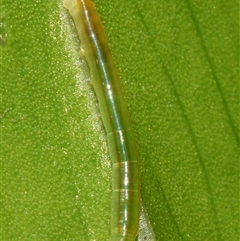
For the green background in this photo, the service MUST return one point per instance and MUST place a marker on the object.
(179, 67)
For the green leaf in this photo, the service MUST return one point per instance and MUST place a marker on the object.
(179, 66)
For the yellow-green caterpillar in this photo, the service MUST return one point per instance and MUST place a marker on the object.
(125, 207)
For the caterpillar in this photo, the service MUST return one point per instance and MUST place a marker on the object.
(125, 203)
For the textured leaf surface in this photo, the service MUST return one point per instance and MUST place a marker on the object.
(179, 66)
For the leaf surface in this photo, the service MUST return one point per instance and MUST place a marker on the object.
(179, 67)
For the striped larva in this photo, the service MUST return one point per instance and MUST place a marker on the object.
(125, 207)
